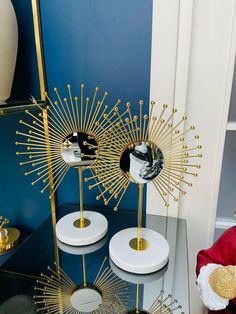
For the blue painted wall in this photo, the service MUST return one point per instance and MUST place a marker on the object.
(105, 43)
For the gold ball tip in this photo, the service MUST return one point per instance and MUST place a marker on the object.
(90, 187)
(174, 110)
(87, 98)
(68, 86)
(115, 208)
(17, 153)
(97, 198)
(26, 111)
(65, 99)
(16, 143)
(97, 88)
(141, 102)
(192, 127)
(106, 93)
(82, 85)
(55, 89)
(165, 106)
(21, 121)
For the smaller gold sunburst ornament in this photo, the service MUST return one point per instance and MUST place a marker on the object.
(54, 142)
(161, 305)
(57, 293)
(143, 149)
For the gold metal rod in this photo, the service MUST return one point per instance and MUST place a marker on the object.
(84, 270)
(137, 298)
(81, 103)
(56, 114)
(72, 106)
(91, 109)
(80, 170)
(140, 211)
(117, 204)
(64, 113)
(140, 119)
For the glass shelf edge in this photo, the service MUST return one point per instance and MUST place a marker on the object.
(224, 224)
(14, 109)
(231, 126)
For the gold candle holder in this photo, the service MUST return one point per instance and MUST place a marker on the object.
(8, 237)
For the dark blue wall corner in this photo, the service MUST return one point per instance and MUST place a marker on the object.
(105, 43)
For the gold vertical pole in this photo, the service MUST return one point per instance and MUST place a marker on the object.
(140, 211)
(137, 298)
(42, 83)
(80, 170)
(84, 270)
(39, 47)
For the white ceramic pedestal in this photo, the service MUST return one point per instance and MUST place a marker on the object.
(139, 262)
(67, 233)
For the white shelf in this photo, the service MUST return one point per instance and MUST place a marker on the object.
(231, 126)
(224, 224)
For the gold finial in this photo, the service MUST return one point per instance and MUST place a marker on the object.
(3, 221)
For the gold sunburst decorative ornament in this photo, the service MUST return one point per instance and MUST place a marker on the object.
(72, 140)
(141, 149)
(57, 293)
(161, 305)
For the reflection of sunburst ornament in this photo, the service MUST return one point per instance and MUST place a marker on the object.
(141, 149)
(162, 305)
(57, 293)
(66, 134)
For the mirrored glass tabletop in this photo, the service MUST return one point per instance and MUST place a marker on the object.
(19, 273)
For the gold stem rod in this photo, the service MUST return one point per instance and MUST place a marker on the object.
(84, 270)
(137, 298)
(140, 205)
(80, 170)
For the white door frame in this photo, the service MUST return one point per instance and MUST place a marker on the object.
(193, 54)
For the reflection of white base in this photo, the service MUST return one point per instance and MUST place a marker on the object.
(85, 300)
(67, 233)
(140, 262)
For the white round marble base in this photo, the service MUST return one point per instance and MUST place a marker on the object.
(139, 262)
(67, 233)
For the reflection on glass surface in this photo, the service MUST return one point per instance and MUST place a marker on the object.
(78, 149)
(37, 253)
(142, 161)
(86, 300)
